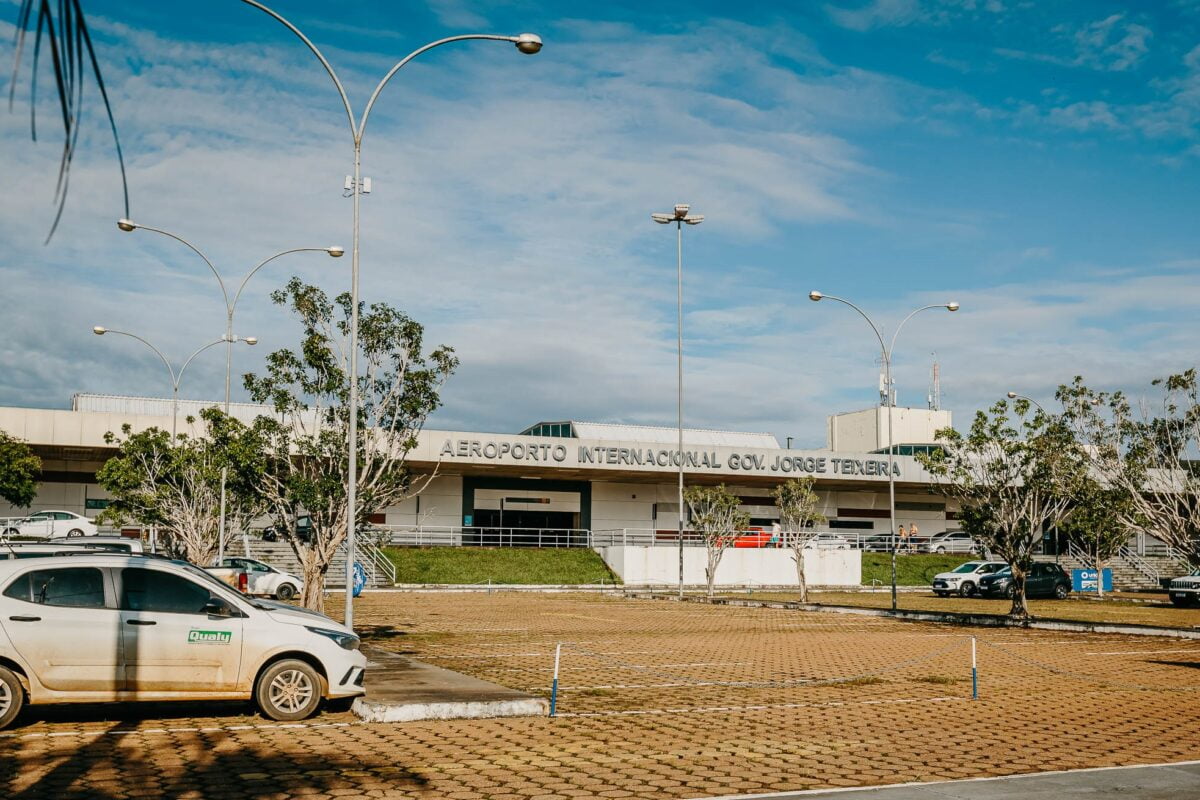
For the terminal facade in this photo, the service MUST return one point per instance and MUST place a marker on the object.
(566, 476)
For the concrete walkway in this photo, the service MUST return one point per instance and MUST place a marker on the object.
(400, 689)
(1165, 782)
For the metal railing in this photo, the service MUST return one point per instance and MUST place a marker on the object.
(1127, 554)
(480, 536)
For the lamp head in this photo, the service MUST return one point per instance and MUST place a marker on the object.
(528, 43)
(952, 306)
(681, 210)
(336, 251)
(814, 295)
(662, 219)
(126, 225)
(99, 330)
(251, 340)
(694, 219)
(1012, 395)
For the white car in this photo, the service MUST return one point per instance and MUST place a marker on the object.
(102, 628)
(51, 525)
(951, 542)
(964, 579)
(264, 580)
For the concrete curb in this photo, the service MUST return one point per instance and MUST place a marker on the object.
(978, 620)
(372, 711)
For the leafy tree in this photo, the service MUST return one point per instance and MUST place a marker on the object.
(715, 515)
(175, 484)
(306, 444)
(19, 471)
(799, 515)
(1097, 522)
(1011, 479)
(1145, 456)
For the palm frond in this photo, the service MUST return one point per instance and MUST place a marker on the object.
(61, 26)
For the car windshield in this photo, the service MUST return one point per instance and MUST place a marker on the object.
(970, 566)
(1004, 572)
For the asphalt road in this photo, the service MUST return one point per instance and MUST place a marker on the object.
(1167, 782)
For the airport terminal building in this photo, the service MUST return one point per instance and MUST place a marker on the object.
(569, 477)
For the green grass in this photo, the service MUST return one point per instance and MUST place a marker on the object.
(911, 570)
(501, 565)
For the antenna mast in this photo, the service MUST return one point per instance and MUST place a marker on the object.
(934, 398)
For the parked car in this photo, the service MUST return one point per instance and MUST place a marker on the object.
(303, 530)
(964, 579)
(263, 580)
(92, 544)
(51, 525)
(1185, 591)
(951, 542)
(103, 628)
(1043, 580)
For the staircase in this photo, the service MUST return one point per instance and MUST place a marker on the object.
(1129, 570)
(380, 572)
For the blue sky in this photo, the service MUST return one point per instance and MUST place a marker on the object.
(1036, 162)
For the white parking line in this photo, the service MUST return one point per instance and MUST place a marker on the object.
(767, 707)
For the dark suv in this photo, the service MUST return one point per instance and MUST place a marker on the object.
(1043, 580)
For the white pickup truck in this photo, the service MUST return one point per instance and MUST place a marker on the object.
(262, 580)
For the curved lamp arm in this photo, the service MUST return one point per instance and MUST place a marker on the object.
(887, 355)
(100, 331)
(266, 261)
(320, 57)
(193, 355)
(910, 316)
(128, 225)
(362, 124)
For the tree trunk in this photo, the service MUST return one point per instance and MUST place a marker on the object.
(798, 557)
(710, 572)
(1099, 578)
(313, 596)
(1020, 608)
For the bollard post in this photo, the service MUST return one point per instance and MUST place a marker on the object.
(974, 673)
(554, 685)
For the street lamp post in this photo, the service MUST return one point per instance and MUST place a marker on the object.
(680, 217)
(527, 43)
(176, 377)
(887, 351)
(129, 226)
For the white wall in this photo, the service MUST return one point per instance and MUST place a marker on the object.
(439, 505)
(658, 566)
(866, 430)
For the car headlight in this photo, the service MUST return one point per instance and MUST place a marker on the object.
(346, 641)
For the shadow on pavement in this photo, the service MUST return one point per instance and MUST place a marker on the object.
(106, 765)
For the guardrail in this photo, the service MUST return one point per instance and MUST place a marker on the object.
(1127, 554)
(480, 536)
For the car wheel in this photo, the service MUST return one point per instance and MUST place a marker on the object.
(286, 591)
(12, 532)
(74, 532)
(1061, 591)
(967, 589)
(941, 549)
(288, 690)
(1010, 592)
(12, 697)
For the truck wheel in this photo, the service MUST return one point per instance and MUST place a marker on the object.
(12, 697)
(967, 589)
(286, 591)
(288, 690)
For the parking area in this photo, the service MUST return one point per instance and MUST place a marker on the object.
(656, 699)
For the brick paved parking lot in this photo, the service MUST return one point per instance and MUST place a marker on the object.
(657, 699)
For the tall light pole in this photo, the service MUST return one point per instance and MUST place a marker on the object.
(176, 377)
(816, 296)
(680, 217)
(129, 226)
(527, 43)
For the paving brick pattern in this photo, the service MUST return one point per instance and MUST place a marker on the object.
(657, 699)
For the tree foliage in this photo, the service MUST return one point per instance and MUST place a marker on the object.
(306, 442)
(1012, 479)
(1145, 455)
(715, 516)
(799, 514)
(175, 484)
(19, 471)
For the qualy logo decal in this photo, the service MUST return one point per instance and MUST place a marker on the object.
(209, 637)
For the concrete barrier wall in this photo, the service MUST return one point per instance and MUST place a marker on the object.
(657, 566)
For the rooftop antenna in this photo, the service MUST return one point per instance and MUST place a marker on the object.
(883, 387)
(935, 386)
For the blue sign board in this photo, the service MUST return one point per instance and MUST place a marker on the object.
(359, 579)
(1084, 580)
(468, 520)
